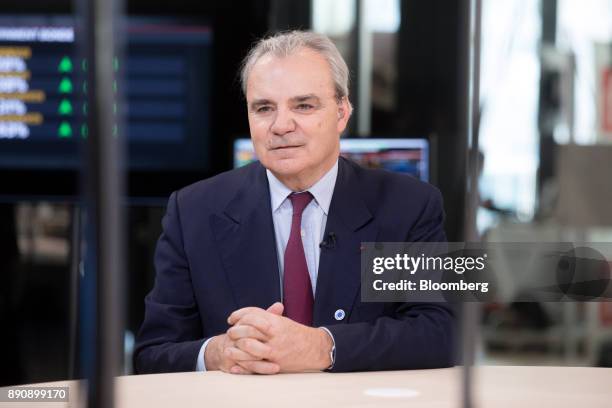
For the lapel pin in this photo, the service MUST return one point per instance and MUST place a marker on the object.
(339, 315)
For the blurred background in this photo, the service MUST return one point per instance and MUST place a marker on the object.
(544, 158)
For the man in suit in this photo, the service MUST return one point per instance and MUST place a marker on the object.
(258, 269)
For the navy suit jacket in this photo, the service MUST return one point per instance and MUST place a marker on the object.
(217, 254)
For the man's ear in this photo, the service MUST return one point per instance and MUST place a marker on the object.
(344, 113)
(343, 109)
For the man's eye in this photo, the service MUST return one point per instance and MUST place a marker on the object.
(304, 106)
(263, 109)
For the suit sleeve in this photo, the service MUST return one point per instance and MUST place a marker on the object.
(415, 335)
(171, 335)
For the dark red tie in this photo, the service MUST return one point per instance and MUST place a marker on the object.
(297, 290)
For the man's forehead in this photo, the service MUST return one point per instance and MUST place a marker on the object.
(300, 54)
(304, 72)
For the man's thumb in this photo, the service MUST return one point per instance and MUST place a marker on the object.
(277, 308)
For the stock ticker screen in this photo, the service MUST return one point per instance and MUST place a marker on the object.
(166, 92)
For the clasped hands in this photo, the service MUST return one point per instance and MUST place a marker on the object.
(265, 342)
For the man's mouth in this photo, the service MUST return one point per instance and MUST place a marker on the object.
(286, 147)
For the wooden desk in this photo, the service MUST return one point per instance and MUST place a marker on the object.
(497, 386)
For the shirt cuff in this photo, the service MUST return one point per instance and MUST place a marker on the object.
(333, 350)
(201, 364)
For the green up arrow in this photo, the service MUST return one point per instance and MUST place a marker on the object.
(64, 130)
(65, 107)
(65, 65)
(65, 86)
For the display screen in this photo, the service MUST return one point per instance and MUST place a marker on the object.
(409, 156)
(166, 93)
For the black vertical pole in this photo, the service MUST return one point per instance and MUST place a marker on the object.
(354, 70)
(10, 349)
(471, 311)
(73, 312)
(473, 122)
(432, 93)
(103, 185)
(546, 167)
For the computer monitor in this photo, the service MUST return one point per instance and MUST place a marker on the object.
(410, 156)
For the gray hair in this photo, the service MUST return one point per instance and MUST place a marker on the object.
(286, 43)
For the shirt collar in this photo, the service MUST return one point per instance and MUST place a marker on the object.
(322, 190)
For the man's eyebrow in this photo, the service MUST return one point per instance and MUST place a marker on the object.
(304, 98)
(296, 99)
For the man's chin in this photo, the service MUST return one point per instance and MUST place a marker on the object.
(285, 167)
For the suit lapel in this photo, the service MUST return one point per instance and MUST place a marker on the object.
(246, 243)
(339, 276)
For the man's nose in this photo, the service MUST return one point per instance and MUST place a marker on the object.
(283, 122)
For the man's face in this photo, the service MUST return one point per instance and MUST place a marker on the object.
(294, 115)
